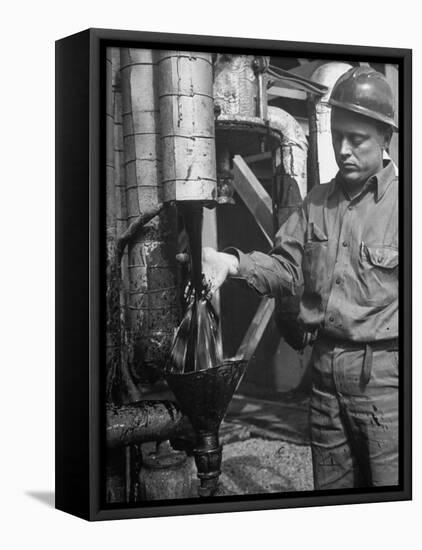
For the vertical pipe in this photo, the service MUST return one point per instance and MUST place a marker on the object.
(153, 307)
(128, 469)
(260, 65)
(327, 75)
(313, 160)
(276, 186)
(294, 153)
(187, 126)
(115, 221)
(115, 476)
(124, 387)
(119, 173)
(112, 290)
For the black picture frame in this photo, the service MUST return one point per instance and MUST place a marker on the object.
(80, 283)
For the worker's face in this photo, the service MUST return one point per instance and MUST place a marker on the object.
(358, 146)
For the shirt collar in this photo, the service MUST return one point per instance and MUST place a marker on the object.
(382, 180)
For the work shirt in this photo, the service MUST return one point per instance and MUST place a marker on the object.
(343, 253)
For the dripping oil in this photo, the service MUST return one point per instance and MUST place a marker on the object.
(197, 344)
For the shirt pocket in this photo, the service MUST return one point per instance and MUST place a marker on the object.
(379, 273)
(314, 263)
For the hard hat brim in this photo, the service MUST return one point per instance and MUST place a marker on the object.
(364, 112)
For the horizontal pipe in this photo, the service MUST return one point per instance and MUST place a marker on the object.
(141, 422)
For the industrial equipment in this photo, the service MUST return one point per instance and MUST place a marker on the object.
(186, 132)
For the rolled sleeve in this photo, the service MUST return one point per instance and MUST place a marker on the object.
(246, 264)
(264, 273)
(247, 269)
(279, 272)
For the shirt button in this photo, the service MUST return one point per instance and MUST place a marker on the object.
(345, 243)
(331, 319)
(338, 281)
(350, 207)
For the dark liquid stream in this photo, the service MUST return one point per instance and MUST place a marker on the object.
(197, 344)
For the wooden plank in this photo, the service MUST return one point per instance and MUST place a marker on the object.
(256, 329)
(254, 196)
(259, 203)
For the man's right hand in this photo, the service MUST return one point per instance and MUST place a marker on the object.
(216, 267)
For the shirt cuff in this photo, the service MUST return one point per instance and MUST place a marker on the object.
(246, 269)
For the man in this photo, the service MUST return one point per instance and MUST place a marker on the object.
(342, 247)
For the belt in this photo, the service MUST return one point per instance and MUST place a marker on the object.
(392, 344)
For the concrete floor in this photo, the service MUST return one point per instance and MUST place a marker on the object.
(257, 466)
(265, 447)
(284, 418)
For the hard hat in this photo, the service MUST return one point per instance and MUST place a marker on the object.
(365, 91)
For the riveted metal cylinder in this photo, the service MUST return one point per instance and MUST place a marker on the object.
(186, 102)
(236, 85)
(153, 306)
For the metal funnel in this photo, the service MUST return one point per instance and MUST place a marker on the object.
(203, 397)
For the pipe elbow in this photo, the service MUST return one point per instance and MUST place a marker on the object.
(294, 146)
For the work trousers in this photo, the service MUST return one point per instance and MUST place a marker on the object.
(354, 416)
